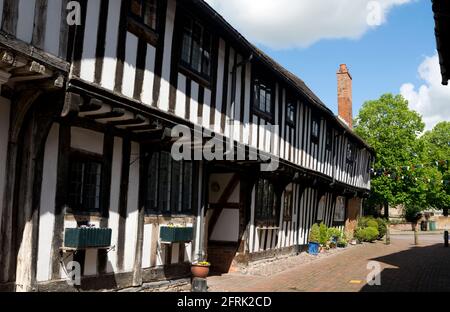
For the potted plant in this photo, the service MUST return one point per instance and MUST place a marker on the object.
(314, 238)
(200, 269)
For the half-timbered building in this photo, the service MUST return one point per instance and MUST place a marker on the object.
(90, 94)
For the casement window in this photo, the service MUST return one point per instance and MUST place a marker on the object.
(168, 185)
(315, 130)
(290, 112)
(143, 19)
(339, 211)
(329, 140)
(263, 99)
(321, 210)
(196, 48)
(85, 173)
(351, 152)
(288, 203)
(266, 210)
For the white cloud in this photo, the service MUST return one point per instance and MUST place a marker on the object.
(300, 23)
(431, 99)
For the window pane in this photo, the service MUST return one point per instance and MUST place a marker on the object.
(206, 61)
(187, 42)
(175, 186)
(150, 13)
(163, 183)
(136, 7)
(152, 182)
(76, 184)
(187, 187)
(268, 101)
(196, 47)
(91, 186)
(262, 98)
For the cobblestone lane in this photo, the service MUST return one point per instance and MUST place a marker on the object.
(404, 267)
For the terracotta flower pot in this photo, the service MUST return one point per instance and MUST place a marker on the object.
(200, 271)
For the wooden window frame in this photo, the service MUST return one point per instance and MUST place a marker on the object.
(315, 138)
(288, 200)
(260, 218)
(257, 81)
(137, 26)
(290, 101)
(84, 156)
(185, 67)
(351, 147)
(183, 189)
(329, 139)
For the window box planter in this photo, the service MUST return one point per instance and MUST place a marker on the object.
(82, 238)
(200, 269)
(170, 234)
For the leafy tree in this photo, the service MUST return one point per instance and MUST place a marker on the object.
(392, 129)
(437, 145)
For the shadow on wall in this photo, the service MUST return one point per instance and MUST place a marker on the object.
(418, 269)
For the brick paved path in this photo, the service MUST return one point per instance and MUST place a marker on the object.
(404, 268)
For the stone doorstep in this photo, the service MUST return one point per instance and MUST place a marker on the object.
(179, 285)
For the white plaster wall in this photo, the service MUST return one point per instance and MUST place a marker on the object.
(114, 203)
(221, 179)
(4, 133)
(227, 226)
(132, 209)
(47, 205)
(87, 140)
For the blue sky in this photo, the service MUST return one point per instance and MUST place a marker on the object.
(381, 61)
(312, 37)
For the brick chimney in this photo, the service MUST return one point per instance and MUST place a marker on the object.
(345, 95)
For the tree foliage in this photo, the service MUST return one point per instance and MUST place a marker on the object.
(394, 131)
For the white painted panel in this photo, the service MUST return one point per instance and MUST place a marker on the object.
(188, 252)
(114, 203)
(112, 33)
(175, 253)
(254, 129)
(206, 109)
(160, 254)
(247, 97)
(219, 89)
(227, 226)
(235, 196)
(87, 140)
(132, 209)
(147, 246)
(251, 229)
(129, 67)
(25, 20)
(149, 76)
(193, 116)
(52, 32)
(222, 179)
(165, 74)
(90, 262)
(47, 205)
(87, 67)
(180, 106)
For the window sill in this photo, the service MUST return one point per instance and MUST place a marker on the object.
(142, 31)
(266, 116)
(195, 76)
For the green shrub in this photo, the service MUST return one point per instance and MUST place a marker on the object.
(382, 227)
(334, 233)
(342, 243)
(323, 234)
(372, 223)
(314, 234)
(368, 234)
